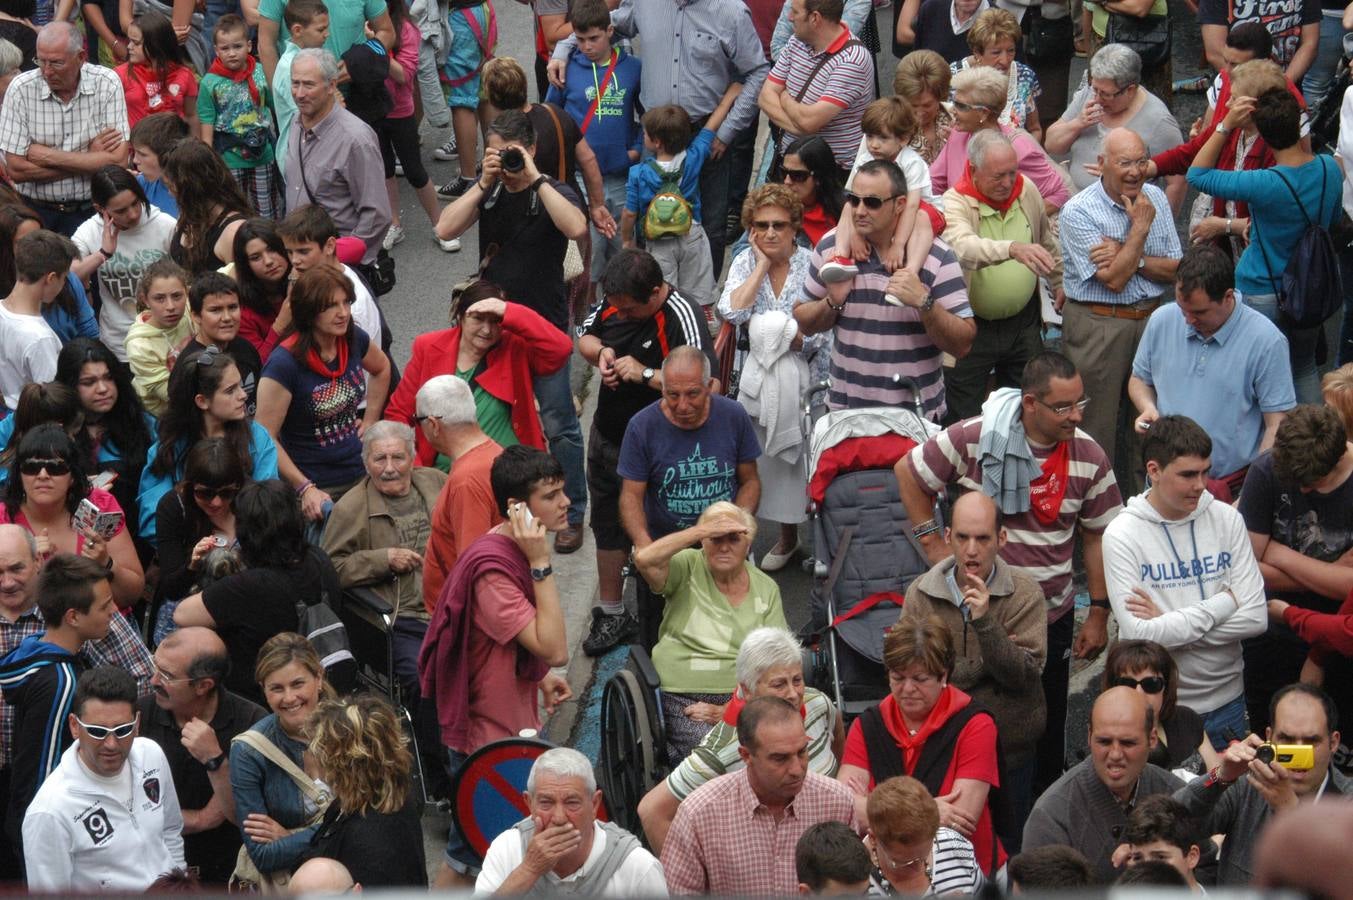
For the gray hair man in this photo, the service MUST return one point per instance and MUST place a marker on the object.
(561, 846)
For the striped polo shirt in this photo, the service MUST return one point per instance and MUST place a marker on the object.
(875, 340)
(846, 80)
(1092, 501)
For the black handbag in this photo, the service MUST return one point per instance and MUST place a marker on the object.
(1149, 36)
(1047, 40)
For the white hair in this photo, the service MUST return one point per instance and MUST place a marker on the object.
(328, 66)
(980, 144)
(447, 399)
(764, 649)
(74, 38)
(11, 57)
(1118, 63)
(386, 430)
(686, 354)
(562, 762)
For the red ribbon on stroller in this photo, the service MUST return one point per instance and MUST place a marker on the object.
(869, 603)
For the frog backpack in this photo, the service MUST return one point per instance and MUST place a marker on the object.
(669, 213)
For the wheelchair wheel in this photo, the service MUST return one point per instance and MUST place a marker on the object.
(628, 752)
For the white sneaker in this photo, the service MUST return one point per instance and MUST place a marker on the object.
(399, 170)
(451, 246)
(392, 237)
(446, 152)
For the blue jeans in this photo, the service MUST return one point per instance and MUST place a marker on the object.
(559, 418)
(1320, 76)
(1301, 344)
(1226, 723)
(460, 856)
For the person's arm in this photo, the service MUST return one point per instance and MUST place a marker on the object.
(749, 487)
(857, 779)
(150, 372)
(726, 103)
(566, 216)
(1060, 135)
(745, 276)
(1271, 422)
(594, 187)
(48, 862)
(181, 17)
(1246, 584)
(85, 267)
(193, 611)
(463, 212)
(656, 811)
(1170, 629)
(1323, 631)
(950, 333)
(249, 12)
(249, 773)
(1306, 52)
(1093, 636)
(960, 233)
(346, 541)
(793, 116)
(682, 861)
(1124, 264)
(377, 366)
(1328, 579)
(919, 502)
(748, 61)
(906, 22)
(1014, 649)
(1143, 396)
(171, 819)
(1214, 45)
(93, 13)
(543, 637)
(268, 31)
(108, 148)
(1176, 187)
(383, 28)
(129, 579)
(273, 401)
(632, 515)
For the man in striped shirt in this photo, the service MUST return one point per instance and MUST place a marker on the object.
(887, 325)
(1075, 493)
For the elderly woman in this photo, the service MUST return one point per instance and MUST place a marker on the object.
(922, 79)
(500, 348)
(769, 664)
(715, 597)
(1113, 97)
(1148, 667)
(912, 853)
(979, 97)
(919, 655)
(994, 38)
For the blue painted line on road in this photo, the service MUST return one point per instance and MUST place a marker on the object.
(586, 738)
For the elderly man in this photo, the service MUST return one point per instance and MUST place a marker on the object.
(465, 508)
(1087, 808)
(736, 834)
(999, 229)
(680, 455)
(333, 156)
(1120, 250)
(887, 325)
(61, 123)
(1217, 361)
(1001, 615)
(193, 719)
(561, 847)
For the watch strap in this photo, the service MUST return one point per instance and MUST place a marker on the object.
(542, 574)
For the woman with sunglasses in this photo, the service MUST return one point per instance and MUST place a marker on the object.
(810, 171)
(1149, 668)
(913, 854)
(263, 272)
(206, 399)
(46, 483)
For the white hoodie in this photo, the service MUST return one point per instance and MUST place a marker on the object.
(1201, 573)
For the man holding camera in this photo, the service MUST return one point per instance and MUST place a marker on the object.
(1258, 778)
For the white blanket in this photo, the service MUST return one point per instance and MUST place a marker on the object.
(773, 378)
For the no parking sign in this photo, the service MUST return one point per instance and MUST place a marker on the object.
(489, 787)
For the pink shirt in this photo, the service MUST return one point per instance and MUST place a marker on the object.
(401, 95)
(501, 704)
(104, 501)
(1034, 164)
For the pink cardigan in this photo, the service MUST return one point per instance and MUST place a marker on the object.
(1034, 164)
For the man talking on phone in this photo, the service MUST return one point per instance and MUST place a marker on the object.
(999, 619)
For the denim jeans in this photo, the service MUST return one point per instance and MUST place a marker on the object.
(1226, 723)
(1301, 344)
(459, 855)
(559, 418)
(1320, 76)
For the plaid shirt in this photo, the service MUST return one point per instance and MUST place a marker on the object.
(1091, 216)
(122, 648)
(725, 841)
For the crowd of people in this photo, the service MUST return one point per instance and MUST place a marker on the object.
(205, 438)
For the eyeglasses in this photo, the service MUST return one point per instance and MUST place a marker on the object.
(798, 176)
(1064, 409)
(164, 677)
(874, 203)
(900, 864)
(1127, 165)
(101, 732)
(57, 64)
(36, 465)
(1111, 95)
(204, 494)
(779, 225)
(1152, 684)
(419, 420)
(969, 107)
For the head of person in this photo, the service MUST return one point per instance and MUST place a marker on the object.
(903, 821)
(307, 21)
(321, 309)
(230, 39)
(922, 78)
(262, 265)
(633, 284)
(1054, 867)
(48, 472)
(1122, 160)
(190, 666)
(523, 474)
(75, 594)
(269, 525)
(773, 213)
(151, 42)
(152, 138)
(993, 38)
(387, 453)
(1205, 287)
(320, 875)
(310, 237)
(1309, 444)
(770, 664)
(667, 129)
(314, 83)
(979, 97)
(561, 789)
(1277, 115)
(1122, 733)
(877, 199)
(888, 125)
(512, 131)
(362, 753)
(103, 388)
(1160, 829)
(163, 292)
(810, 171)
(118, 197)
(104, 720)
(213, 475)
(816, 22)
(11, 63)
(1337, 389)
(591, 20)
(206, 392)
(726, 554)
(198, 178)
(1305, 714)
(976, 535)
(43, 258)
(1247, 41)
(214, 305)
(16, 221)
(503, 81)
(1053, 401)
(1256, 78)
(444, 408)
(60, 55)
(831, 860)
(18, 566)
(1115, 77)
(686, 386)
(480, 331)
(1177, 454)
(1147, 667)
(919, 656)
(292, 678)
(43, 403)
(773, 745)
(994, 164)
(1152, 873)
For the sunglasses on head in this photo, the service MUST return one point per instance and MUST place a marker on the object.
(1152, 684)
(35, 465)
(206, 494)
(869, 202)
(798, 176)
(101, 732)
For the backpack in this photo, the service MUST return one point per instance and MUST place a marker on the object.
(1311, 289)
(329, 636)
(669, 214)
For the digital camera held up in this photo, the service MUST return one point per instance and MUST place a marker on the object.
(1289, 756)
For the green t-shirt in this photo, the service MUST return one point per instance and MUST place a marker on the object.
(700, 634)
(346, 18)
(230, 108)
(494, 415)
(1001, 290)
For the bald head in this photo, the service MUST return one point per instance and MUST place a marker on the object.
(322, 875)
(1124, 141)
(1121, 726)
(15, 540)
(191, 665)
(1123, 160)
(976, 508)
(196, 641)
(1122, 704)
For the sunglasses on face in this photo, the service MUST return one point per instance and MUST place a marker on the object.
(35, 466)
(1152, 684)
(778, 225)
(873, 203)
(205, 494)
(798, 176)
(101, 732)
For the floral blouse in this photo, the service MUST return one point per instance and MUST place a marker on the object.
(816, 349)
(1020, 96)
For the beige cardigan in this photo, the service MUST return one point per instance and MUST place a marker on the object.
(973, 251)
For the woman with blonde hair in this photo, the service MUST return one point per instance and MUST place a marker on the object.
(373, 825)
(994, 38)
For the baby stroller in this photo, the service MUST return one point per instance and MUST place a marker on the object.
(864, 552)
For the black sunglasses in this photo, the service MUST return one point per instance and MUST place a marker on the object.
(206, 494)
(1152, 684)
(869, 202)
(798, 176)
(35, 465)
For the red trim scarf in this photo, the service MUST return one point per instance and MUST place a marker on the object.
(245, 75)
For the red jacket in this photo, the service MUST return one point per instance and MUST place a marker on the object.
(529, 346)
(1327, 633)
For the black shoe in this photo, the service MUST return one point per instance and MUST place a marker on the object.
(609, 631)
(455, 187)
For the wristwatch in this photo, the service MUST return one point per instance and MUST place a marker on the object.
(648, 375)
(542, 574)
(928, 303)
(212, 765)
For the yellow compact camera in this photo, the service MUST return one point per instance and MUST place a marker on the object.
(1289, 756)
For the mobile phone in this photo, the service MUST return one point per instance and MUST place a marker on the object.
(103, 480)
(526, 513)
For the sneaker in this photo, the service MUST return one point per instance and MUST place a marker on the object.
(838, 269)
(455, 187)
(392, 237)
(451, 246)
(608, 631)
(446, 152)
(399, 170)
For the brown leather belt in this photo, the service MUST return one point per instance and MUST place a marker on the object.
(1113, 311)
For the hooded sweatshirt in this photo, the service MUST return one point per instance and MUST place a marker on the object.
(1201, 574)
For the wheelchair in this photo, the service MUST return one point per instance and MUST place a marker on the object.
(633, 739)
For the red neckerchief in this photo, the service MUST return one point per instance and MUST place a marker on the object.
(1047, 490)
(317, 364)
(737, 702)
(965, 186)
(950, 701)
(245, 74)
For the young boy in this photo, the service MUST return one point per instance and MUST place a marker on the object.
(214, 307)
(151, 139)
(28, 345)
(832, 861)
(1160, 829)
(610, 123)
(232, 105)
(307, 22)
(75, 599)
(675, 168)
(159, 334)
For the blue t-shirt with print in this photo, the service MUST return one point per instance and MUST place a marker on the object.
(685, 470)
(643, 184)
(614, 130)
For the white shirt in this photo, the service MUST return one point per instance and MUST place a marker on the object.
(365, 313)
(28, 351)
(120, 274)
(914, 169)
(86, 833)
(640, 875)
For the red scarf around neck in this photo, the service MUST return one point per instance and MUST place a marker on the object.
(317, 363)
(965, 186)
(245, 75)
(1047, 490)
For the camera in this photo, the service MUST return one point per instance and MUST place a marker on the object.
(1289, 756)
(513, 160)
